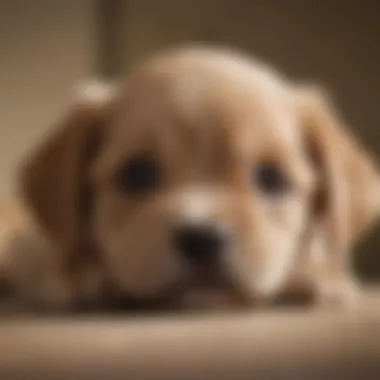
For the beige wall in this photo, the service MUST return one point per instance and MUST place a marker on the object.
(45, 48)
(335, 42)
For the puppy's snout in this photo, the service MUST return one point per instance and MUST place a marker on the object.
(200, 245)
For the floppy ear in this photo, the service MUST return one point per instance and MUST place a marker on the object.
(347, 201)
(53, 178)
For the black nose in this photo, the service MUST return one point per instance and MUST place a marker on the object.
(199, 245)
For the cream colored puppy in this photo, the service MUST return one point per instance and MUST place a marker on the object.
(203, 172)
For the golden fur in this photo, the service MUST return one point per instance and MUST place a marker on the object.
(208, 117)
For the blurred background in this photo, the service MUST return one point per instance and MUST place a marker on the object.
(48, 46)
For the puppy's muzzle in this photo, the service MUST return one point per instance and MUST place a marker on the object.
(202, 246)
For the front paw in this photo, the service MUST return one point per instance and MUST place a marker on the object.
(337, 294)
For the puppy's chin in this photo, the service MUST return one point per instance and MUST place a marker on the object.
(196, 299)
(196, 289)
(213, 291)
(212, 299)
(209, 294)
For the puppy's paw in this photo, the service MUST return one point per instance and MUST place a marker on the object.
(335, 294)
(30, 279)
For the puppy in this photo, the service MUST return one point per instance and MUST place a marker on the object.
(204, 172)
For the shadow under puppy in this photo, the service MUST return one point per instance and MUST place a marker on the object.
(205, 178)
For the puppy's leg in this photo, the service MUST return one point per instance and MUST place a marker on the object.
(335, 286)
(333, 280)
(31, 280)
(319, 281)
(324, 292)
(30, 276)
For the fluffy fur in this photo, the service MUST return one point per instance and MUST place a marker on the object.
(207, 118)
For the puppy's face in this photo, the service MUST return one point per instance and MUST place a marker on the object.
(202, 176)
(202, 179)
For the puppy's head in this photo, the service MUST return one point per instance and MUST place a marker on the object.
(203, 170)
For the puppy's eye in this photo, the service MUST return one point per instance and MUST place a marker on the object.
(270, 179)
(139, 175)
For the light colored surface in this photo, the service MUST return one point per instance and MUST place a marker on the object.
(264, 345)
(46, 47)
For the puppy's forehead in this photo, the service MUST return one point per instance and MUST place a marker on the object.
(207, 91)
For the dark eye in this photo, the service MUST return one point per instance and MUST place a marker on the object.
(270, 179)
(139, 175)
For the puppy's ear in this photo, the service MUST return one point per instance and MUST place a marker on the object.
(347, 201)
(53, 178)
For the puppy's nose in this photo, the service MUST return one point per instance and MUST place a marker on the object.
(199, 245)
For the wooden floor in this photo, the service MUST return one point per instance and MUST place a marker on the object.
(281, 344)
